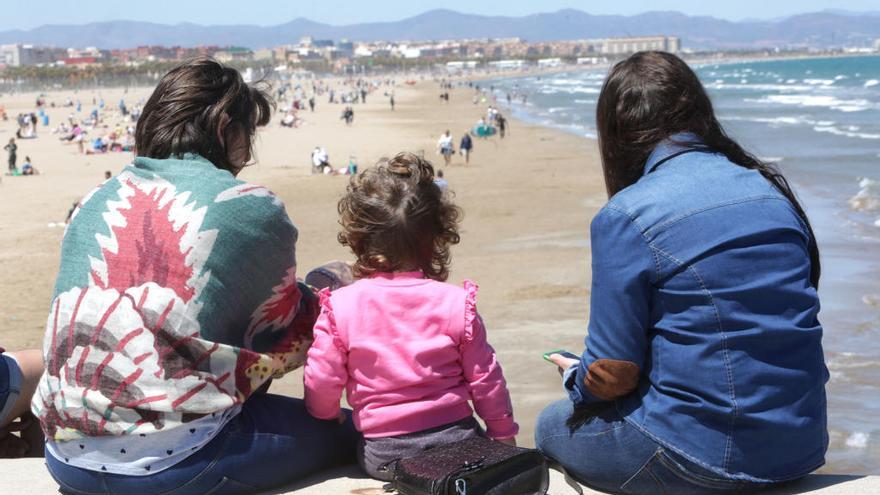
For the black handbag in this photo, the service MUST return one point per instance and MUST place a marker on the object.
(476, 466)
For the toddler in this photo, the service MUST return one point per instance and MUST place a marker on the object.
(409, 349)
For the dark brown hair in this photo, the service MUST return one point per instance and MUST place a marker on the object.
(651, 96)
(394, 216)
(187, 107)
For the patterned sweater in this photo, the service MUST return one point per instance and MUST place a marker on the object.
(176, 298)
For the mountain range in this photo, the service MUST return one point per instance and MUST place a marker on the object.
(827, 29)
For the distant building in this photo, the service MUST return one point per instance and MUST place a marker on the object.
(234, 54)
(345, 48)
(410, 52)
(591, 60)
(264, 54)
(549, 62)
(80, 62)
(460, 66)
(507, 64)
(625, 46)
(17, 54)
(308, 41)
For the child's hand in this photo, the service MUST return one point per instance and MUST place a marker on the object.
(508, 441)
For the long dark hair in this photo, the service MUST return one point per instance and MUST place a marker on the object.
(652, 96)
(188, 106)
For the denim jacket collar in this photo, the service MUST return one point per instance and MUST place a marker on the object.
(670, 146)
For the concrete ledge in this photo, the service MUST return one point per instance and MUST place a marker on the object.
(29, 476)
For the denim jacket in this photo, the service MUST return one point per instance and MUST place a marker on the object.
(701, 293)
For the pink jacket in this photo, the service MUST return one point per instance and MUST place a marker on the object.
(410, 352)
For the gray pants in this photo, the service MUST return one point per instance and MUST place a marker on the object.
(376, 456)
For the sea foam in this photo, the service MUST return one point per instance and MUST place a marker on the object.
(851, 132)
(868, 197)
(858, 440)
(843, 105)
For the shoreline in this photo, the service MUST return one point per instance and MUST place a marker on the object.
(527, 200)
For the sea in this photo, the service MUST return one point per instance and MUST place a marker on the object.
(818, 120)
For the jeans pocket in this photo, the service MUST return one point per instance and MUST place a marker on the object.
(663, 474)
(229, 486)
(644, 481)
(674, 469)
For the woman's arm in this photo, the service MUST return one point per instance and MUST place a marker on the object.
(623, 270)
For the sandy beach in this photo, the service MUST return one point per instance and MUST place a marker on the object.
(528, 200)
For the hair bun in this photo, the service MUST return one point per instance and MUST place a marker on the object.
(399, 169)
(411, 166)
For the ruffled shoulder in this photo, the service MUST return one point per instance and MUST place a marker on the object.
(324, 298)
(470, 309)
(327, 311)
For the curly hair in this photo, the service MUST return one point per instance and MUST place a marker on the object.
(395, 217)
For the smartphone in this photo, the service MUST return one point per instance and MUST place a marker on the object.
(561, 352)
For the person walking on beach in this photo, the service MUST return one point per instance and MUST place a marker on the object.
(391, 100)
(466, 146)
(11, 149)
(445, 147)
(703, 371)
(162, 342)
(501, 122)
(348, 115)
(409, 349)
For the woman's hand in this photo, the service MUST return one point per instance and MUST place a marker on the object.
(563, 362)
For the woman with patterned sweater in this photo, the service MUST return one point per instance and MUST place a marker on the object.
(176, 303)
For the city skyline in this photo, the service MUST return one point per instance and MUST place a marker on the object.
(273, 12)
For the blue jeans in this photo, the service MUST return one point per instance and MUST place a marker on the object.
(272, 442)
(10, 385)
(609, 454)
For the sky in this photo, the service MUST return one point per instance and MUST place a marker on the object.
(27, 14)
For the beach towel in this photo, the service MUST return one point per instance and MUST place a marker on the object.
(176, 298)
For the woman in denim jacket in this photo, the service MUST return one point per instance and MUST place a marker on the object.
(703, 370)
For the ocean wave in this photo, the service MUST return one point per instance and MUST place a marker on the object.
(871, 82)
(858, 440)
(843, 105)
(583, 102)
(868, 197)
(777, 121)
(597, 78)
(850, 363)
(771, 159)
(848, 133)
(759, 86)
(819, 82)
(573, 90)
